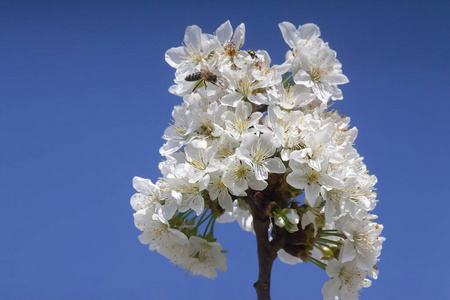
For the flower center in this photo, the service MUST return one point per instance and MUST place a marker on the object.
(316, 74)
(195, 54)
(259, 154)
(312, 177)
(241, 172)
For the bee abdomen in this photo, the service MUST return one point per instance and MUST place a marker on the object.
(194, 76)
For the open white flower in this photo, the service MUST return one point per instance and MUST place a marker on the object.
(257, 152)
(241, 120)
(205, 257)
(187, 194)
(201, 161)
(148, 193)
(229, 47)
(242, 85)
(294, 96)
(197, 46)
(304, 36)
(321, 72)
(238, 177)
(167, 241)
(218, 190)
(362, 242)
(306, 178)
(346, 281)
(178, 134)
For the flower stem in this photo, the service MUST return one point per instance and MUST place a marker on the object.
(201, 221)
(317, 262)
(329, 241)
(286, 80)
(331, 234)
(186, 214)
(207, 226)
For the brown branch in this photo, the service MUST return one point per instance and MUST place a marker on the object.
(266, 252)
(262, 204)
(266, 256)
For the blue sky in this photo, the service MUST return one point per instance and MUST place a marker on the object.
(84, 102)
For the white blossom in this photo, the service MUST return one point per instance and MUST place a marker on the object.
(362, 242)
(346, 281)
(205, 257)
(239, 176)
(257, 152)
(245, 128)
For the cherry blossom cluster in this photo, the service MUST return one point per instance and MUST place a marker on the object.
(248, 129)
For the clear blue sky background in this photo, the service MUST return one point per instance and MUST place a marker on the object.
(84, 102)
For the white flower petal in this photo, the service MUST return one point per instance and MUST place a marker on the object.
(231, 99)
(224, 33)
(225, 200)
(144, 186)
(289, 33)
(309, 31)
(275, 165)
(192, 36)
(297, 180)
(347, 252)
(239, 36)
(287, 258)
(311, 193)
(173, 56)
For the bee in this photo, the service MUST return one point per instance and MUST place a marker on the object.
(204, 76)
(252, 53)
